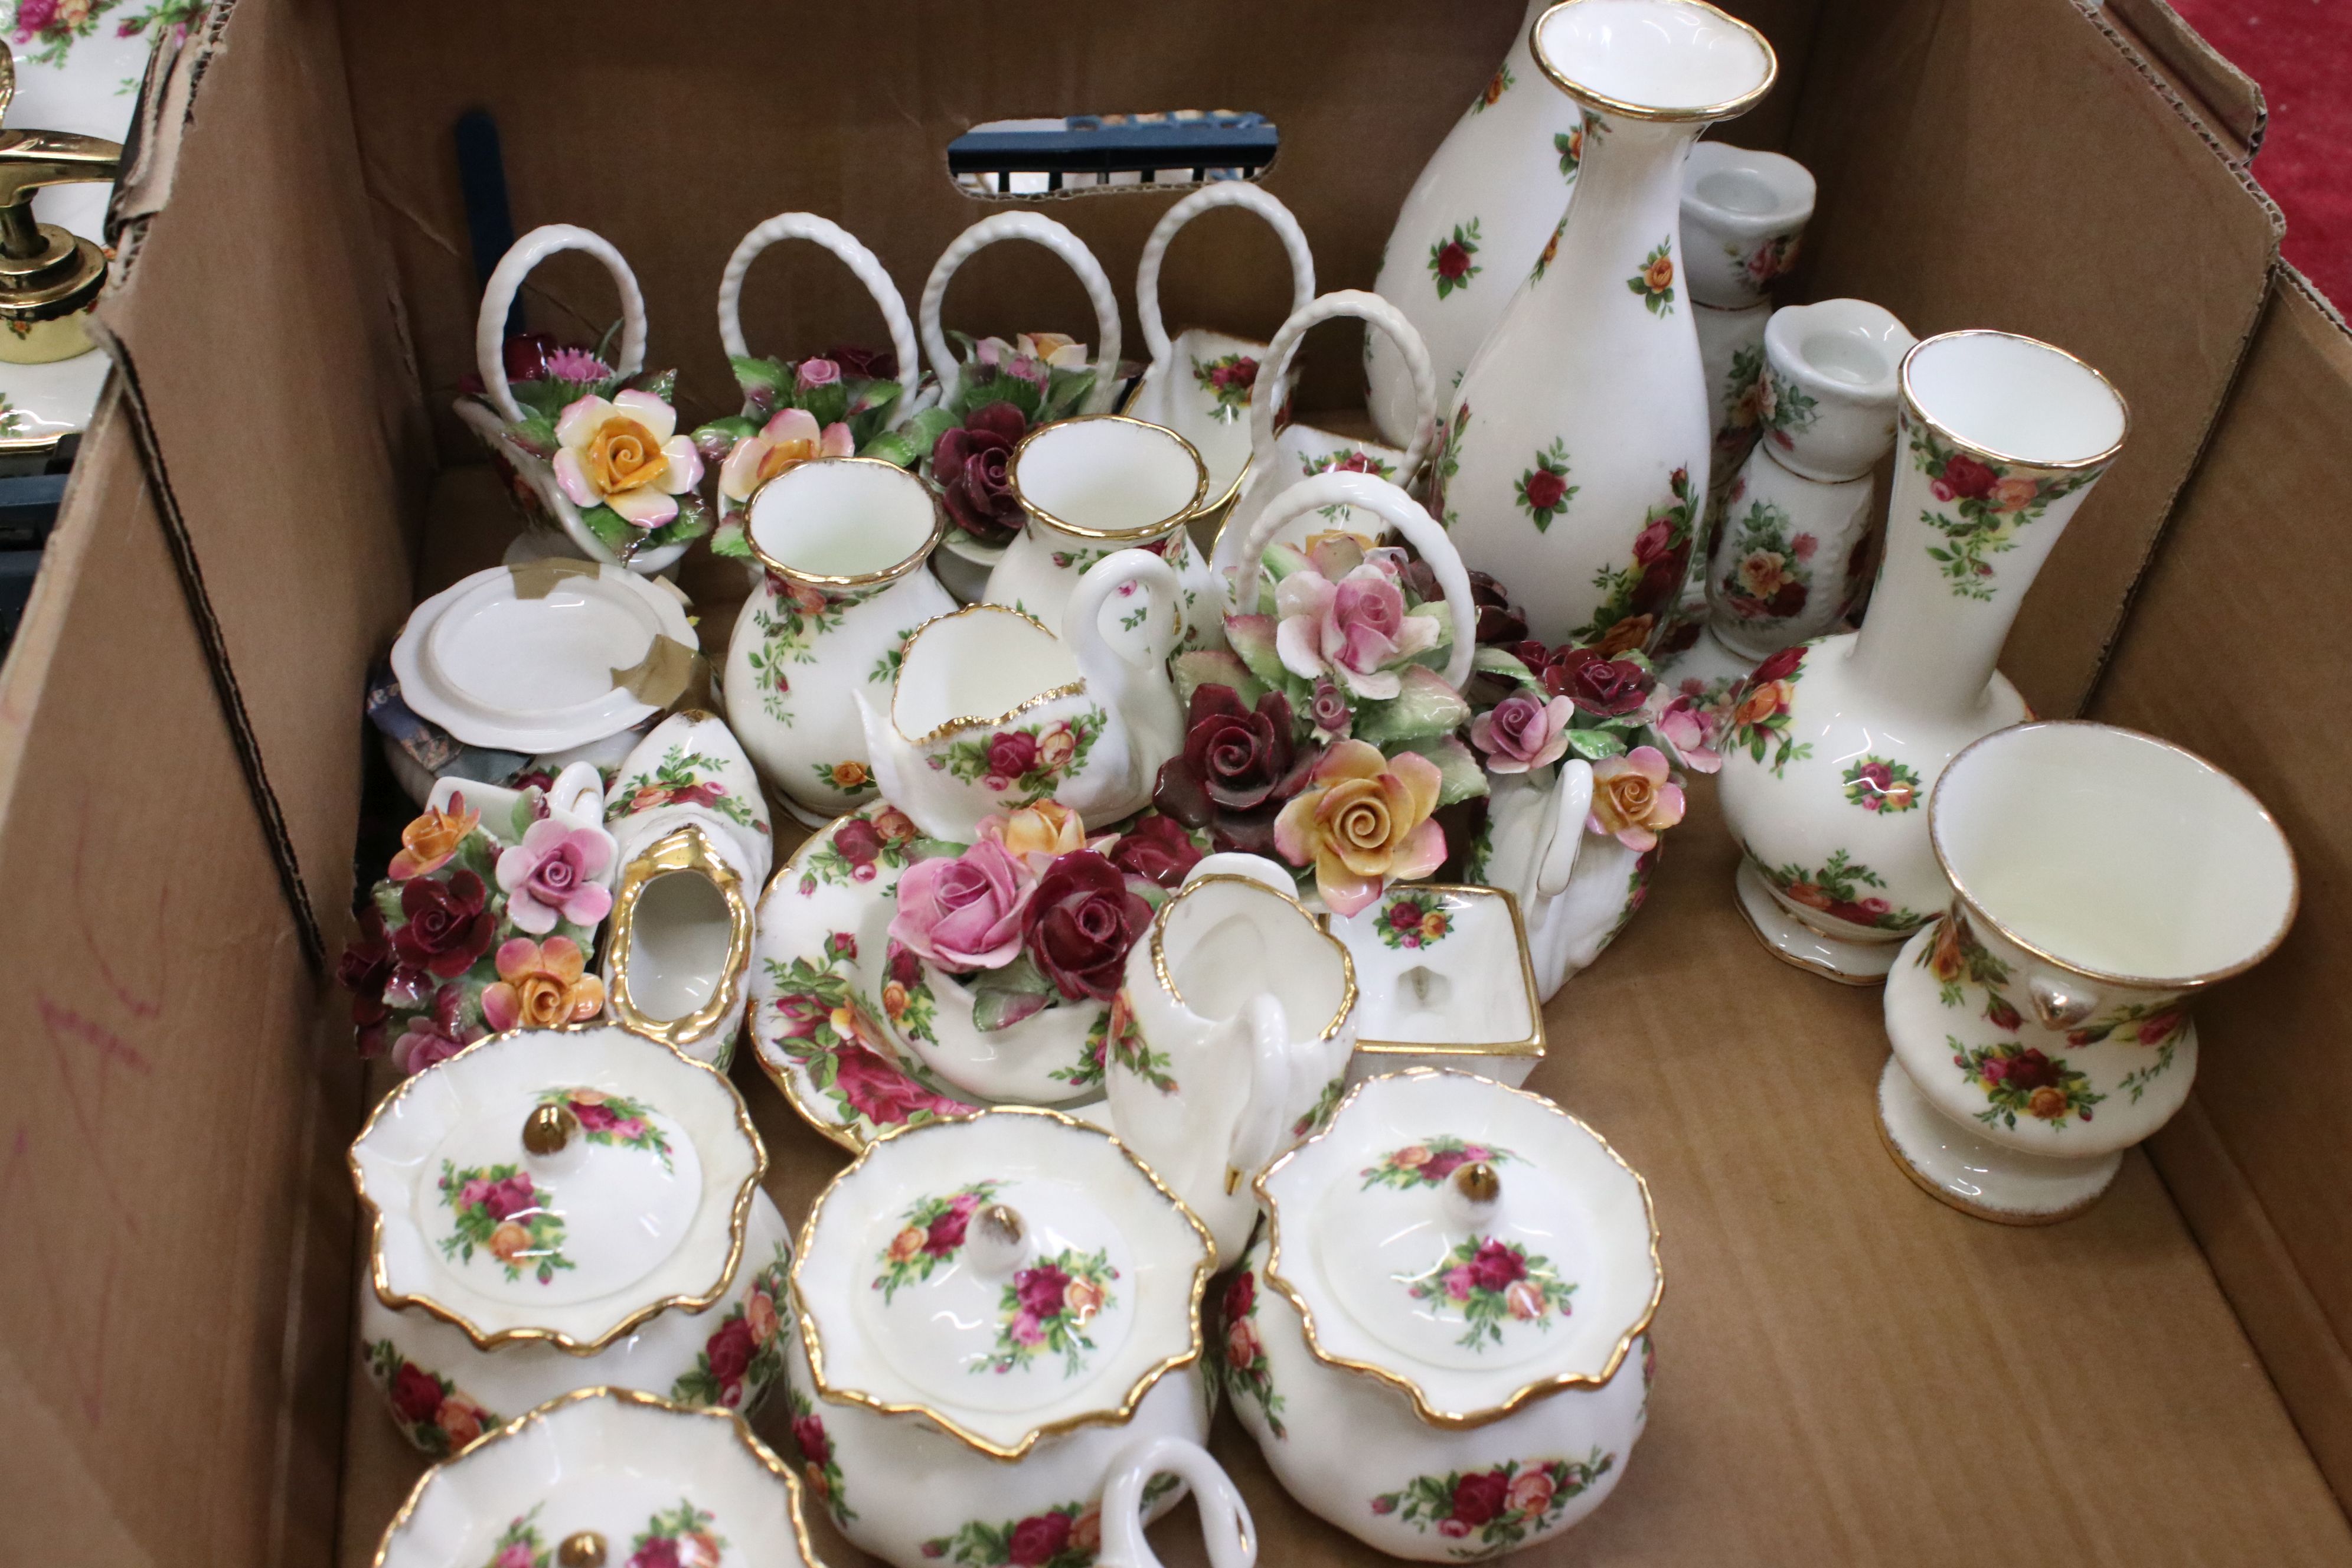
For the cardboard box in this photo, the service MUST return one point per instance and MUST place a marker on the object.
(1851, 1372)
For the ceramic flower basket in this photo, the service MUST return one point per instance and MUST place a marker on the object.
(842, 403)
(591, 450)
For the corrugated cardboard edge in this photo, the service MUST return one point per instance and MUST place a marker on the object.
(2231, 101)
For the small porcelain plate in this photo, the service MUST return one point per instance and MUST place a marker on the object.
(824, 1010)
(541, 657)
(605, 1476)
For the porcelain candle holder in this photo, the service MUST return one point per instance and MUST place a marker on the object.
(1796, 527)
(2101, 880)
(1440, 1341)
(1229, 1040)
(1834, 744)
(1089, 487)
(842, 541)
(557, 1209)
(597, 1475)
(1200, 385)
(1478, 216)
(1446, 981)
(1574, 457)
(1744, 214)
(995, 1313)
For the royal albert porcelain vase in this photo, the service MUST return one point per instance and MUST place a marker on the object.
(2101, 880)
(557, 1209)
(994, 1312)
(1574, 457)
(612, 1477)
(842, 542)
(1474, 221)
(1440, 1339)
(1835, 744)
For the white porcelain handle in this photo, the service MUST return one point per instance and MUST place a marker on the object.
(2060, 1000)
(1226, 1528)
(1266, 397)
(1082, 621)
(1340, 487)
(1234, 863)
(506, 281)
(1225, 193)
(860, 261)
(1571, 803)
(1038, 229)
(1257, 1133)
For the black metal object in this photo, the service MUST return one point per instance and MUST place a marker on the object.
(1238, 147)
(28, 508)
(482, 182)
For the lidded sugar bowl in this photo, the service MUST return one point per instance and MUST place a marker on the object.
(997, 1317)
(557, 1209)
(602, 1479)
(1439, 1339)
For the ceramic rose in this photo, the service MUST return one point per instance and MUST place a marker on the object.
(1834, 744)
(2041, 1025)
(552, 1210)
(842, 543)
(1440, 1341)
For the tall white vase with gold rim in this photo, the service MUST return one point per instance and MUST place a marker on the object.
(1573, 458)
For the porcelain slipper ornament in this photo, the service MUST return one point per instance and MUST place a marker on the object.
(1231, 1032)
(1200, 385)
(591, 451)
(998, 392)
(843, 403)
(1440, 1339)
(1007, 1308)
(2041, 1026)
(559, 1209)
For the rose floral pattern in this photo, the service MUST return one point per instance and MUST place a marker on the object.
(1501, 1507)
(1445, 462)
(1023, 766)
(744, 1352)
(1784, 409)
(1875, 784)
(1491, 1282)
(1242, 1354)
(1654, 283)
(1543, 491)
(1501, 82)
(2020, 1079)
(1634, 596)
(1989, 503)
(933, 1235)
(1428, 1162)
(679, 1537)
(1760, 711)
(1047, 1307)
(1132, 1052)
(1410, 921)
(1773, 257)
(1550, 252)
(612, 1119)
(790, 619)
(1769, 578)
(520, 1544)
(2160, 1024)
(1834, 888)
(851, 777)
(683, 777)
(430, 1409)
(1452, 262)
(500, 1210)
(1956, 955)
(831, 1033)
(820, 1467)
(862, 848)
(1227, 379)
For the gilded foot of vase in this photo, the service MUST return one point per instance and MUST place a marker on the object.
(1974, 1176)
(1793, 941)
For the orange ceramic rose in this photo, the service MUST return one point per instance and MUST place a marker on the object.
(1632, 798)
(541, 985)
(428, 844)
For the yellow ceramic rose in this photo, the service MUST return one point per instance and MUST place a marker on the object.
(1363, 821)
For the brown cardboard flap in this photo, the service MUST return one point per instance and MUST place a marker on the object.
(2236, 648)
(2010, 164)
(158, 1103)
(258, 341)
(2227, 98)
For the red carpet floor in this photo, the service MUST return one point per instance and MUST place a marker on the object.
(2301, 53)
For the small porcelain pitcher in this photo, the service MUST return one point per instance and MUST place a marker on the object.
(1229, 1041)
(843, 541)
(1090, 486)
(990, 712)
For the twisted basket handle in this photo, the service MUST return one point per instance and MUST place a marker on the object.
(1266, 398)
(1227, 193)
(860, 261)
(1038, 229)
(506, 280)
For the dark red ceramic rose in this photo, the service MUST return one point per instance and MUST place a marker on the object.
(1238, 766)
(970, 464)
(1600, 685)
(449, 924)
(416, 1393)
(1778, 664)
(871, 364)
(1479, 1498)
(1158, 849)
(1081, 923)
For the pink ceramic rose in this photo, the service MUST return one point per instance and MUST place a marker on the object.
(436, 1035)
(1519, 734)
(966, 912)
(552, 874)
(1345, 618)
(1690, 729)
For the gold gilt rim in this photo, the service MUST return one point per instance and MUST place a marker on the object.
(1593, 99)
(738, 1223)
(1168, 981)
(1914, 410)
(1110, 535)
(1532, 1047)
(683, 850)
(814, 1345)
(1541, 1388)
(761, 1454)
(891, 574)
(2194, 981)
(958, 726)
